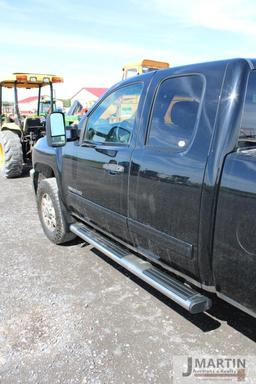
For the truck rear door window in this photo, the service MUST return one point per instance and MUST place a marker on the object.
(248, 123)
(175, 112)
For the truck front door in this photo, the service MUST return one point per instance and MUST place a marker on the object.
(103, 160)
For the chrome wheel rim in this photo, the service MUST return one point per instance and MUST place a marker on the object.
(48, 212)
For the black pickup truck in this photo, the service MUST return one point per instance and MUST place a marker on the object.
(160, 175)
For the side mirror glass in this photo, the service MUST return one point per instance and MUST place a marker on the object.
(55, 129)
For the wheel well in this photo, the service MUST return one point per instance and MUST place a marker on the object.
(42, 171)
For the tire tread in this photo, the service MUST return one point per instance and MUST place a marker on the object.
(62, 233)
(13, 154)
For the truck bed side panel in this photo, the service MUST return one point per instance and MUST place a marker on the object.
(234, 260)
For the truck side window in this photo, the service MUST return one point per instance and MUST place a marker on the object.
(113, 120)
(175, 112)
(248, 124)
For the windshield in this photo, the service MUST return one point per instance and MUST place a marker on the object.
(45, 107)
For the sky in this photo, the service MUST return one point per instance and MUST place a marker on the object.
(88, 42)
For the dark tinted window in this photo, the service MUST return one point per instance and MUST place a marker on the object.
(248, 124)
(175, 112)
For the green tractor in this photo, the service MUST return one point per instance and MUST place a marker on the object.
(74, 113)
(18, 134)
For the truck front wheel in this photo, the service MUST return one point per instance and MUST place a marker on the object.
(53, 215)
(11, 155)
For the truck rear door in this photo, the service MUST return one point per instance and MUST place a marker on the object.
(167, 169)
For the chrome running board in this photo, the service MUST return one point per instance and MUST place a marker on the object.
(183, 295)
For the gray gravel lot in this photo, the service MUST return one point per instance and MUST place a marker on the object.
(69, 315)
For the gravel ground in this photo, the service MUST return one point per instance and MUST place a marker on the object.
(70, 315)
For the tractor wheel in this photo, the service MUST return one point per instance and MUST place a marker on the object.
(11, 155)
(54, 218)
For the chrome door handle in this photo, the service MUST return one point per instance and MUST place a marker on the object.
(113, 168)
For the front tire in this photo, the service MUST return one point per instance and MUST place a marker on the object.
(53, 215)
(11, 155)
